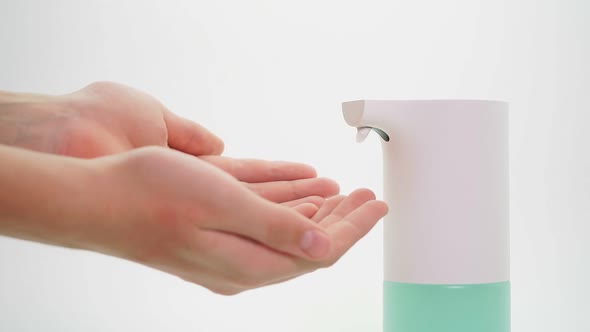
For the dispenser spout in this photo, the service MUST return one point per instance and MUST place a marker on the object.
(359, 114)
(363, 132)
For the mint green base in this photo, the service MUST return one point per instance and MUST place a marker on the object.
(446, 308)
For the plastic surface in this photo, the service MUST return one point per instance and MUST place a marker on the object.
(446, 183)
(443, 308)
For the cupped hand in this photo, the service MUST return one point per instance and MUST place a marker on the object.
(181, 215)
(101, 119)
(291, 184)
(106, 118)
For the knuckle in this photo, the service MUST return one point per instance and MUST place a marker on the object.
(272, 232)
(293, 189)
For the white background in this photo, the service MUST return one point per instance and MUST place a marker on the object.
(268, 77)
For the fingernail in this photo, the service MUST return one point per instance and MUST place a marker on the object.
(315, 244)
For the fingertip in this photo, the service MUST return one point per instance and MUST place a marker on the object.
(385, 207)
(380, 207)
(315, 243)
(330, 187)
(190, 137)
(287, 170)
(204, 142)
(312, 241)
(217, 146)
(311, 172)
(306, 209)
(367, 194)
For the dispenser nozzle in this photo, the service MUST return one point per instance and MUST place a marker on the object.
(365, 115)
(363, 132)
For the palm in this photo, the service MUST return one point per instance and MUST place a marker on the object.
(291, 184)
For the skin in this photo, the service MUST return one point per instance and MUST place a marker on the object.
(123, 176)
(101, 119)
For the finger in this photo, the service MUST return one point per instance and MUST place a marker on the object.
(242, 264)
(190, 137)
(275, 226)
(255, 170)
(347, 205)
(306, 209)
(361, 219)
(354, 226)
(283, 191)
(315, 200)
(326, 209)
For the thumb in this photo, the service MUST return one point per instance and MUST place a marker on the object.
(190, 137)
(278, 227)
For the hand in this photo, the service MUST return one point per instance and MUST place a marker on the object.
(149, 213)
(291, 184)
(107, 118)
(101, 119)
(179, 214)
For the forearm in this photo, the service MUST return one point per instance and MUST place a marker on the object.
(43, 198)
(32, 121)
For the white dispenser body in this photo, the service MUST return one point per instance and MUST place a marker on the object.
(446, 183)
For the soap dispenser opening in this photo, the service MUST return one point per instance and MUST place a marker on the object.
(363, 132)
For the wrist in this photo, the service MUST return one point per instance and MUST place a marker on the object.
(33, 122)
(45, 198)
